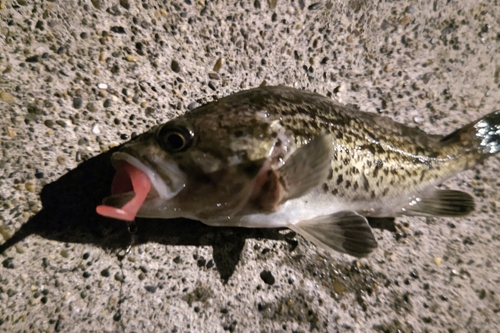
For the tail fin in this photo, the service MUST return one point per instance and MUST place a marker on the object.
(481, 137)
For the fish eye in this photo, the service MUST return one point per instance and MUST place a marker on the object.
(174, 138)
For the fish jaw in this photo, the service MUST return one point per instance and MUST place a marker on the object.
(166, 190)
(127, 176)
(138, 188)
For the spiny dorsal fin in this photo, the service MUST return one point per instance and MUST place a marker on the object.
(345, 232)
(307, 167)
(447, 203)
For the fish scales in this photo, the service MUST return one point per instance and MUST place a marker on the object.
(282, 157)
(372, 159)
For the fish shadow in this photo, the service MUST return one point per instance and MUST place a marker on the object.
(69, 216)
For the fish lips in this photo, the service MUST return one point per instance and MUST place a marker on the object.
(125, 204)
(136, 182)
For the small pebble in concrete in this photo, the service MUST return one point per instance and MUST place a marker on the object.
(77, 102)
(175, 66)
(267, 277)
(8, 263)
(7, 97)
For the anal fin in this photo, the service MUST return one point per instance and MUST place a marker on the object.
(345, 232)
(445, 203)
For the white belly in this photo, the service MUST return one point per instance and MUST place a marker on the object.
(292, 212)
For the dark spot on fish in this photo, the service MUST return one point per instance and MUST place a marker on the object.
(419, 150)
(325, 187)
(278, 143)
(391, 182)
(436, 155)
(335, 191)
(347, 161)
(369, 163)
(370, 148)
(372, 137)
(238, 133)
(339, 179)
(336, 170)
(330, 174)
(274, 135)
(372, 195)
(386, 190)
(366, 184)
(378, 165)
(347, 184)
(422, 174)
(355, 186)
(354, 170)
(386, 171)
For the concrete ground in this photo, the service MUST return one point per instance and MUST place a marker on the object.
(80, 77)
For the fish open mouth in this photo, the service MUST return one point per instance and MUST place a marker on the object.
(131, 185)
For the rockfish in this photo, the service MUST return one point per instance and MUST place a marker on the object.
(274, 157)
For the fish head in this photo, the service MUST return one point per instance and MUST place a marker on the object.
(205, 165)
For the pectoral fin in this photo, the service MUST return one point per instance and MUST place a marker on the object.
(307, 167)
(447, 203)
(345, 232)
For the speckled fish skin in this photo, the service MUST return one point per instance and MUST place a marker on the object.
(255, 160)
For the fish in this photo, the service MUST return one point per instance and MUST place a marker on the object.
(279, 157)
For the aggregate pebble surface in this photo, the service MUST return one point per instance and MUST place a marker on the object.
(81, 77)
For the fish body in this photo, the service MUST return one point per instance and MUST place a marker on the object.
(274, 157)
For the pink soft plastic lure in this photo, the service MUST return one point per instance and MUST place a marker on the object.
(127, 178)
